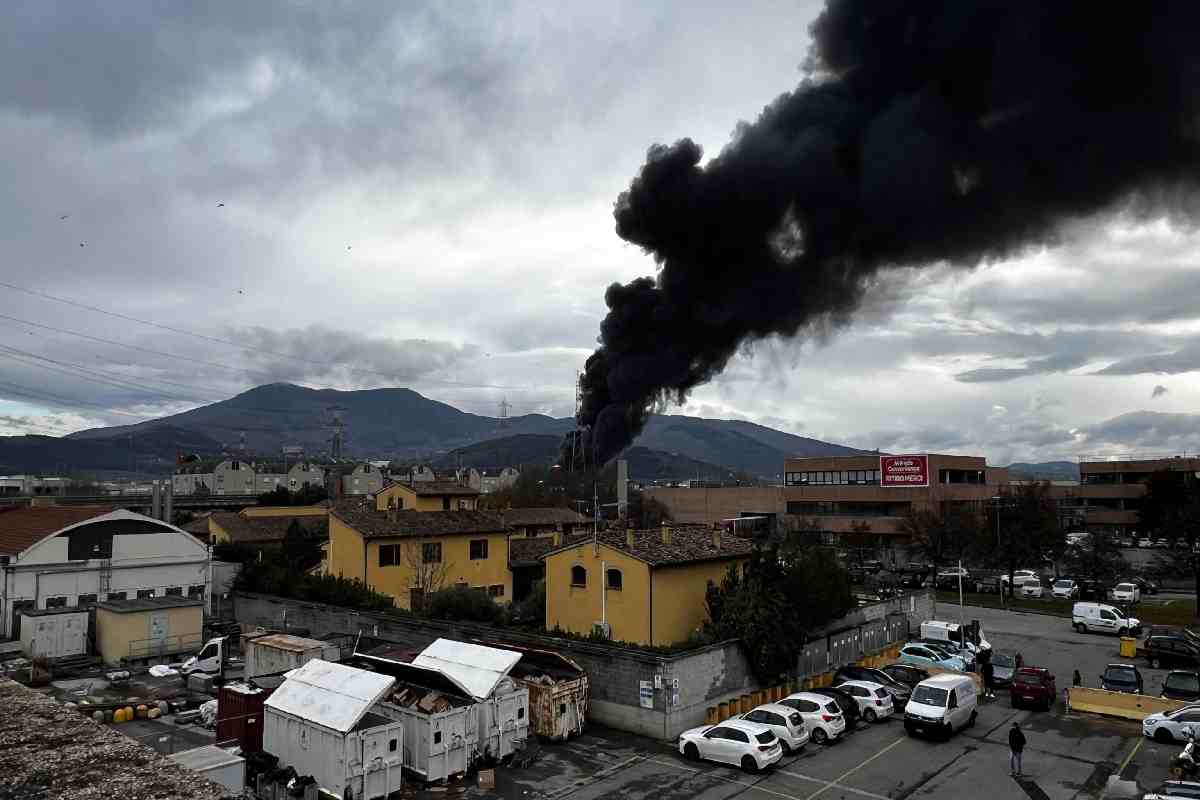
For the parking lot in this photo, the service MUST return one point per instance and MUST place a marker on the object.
(1068, 755)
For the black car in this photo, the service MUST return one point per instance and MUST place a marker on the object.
(1145, 585)
(900, 692)
(1181, 685)
(1171, 647)
(905, 673)
(1122, 678)
(846, 703)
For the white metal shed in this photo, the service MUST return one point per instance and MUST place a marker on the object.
(54, 632)
(320, 722)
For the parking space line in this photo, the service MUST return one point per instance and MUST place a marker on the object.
(1132, 753)
(837, 781)
(711, 774)
(838, 786)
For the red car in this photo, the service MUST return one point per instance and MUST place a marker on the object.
(1033, 686)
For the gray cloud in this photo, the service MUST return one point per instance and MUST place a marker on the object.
(1146, 431)
(1060, 362)
(1185, 359)
(1159, 391)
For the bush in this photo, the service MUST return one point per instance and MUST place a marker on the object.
(462, 603)
(530, 612)
(273, 578)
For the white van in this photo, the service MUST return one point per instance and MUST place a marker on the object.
(951, 632)
(942, 705)
(1104, 618)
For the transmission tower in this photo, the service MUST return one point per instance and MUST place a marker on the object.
(504, 406)
(337, 432)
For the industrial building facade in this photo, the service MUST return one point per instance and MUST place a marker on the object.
(1110, 493)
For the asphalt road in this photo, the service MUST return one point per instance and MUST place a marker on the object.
(1069, 755)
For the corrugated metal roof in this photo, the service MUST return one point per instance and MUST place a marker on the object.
(474, 667)
(331, 695)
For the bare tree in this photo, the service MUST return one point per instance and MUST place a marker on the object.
(427, 569)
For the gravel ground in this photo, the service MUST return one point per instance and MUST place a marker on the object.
(49, 751)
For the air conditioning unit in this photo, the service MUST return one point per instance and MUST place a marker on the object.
(602, 629)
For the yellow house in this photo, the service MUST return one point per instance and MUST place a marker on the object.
(647, 586)
(408, 554)
(427, 496)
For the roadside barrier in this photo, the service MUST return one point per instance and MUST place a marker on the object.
(1118, 704)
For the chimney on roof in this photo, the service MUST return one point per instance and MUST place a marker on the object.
(557, 538)
(629, 538)
(391, 510)
(716, 537)
(666, 533)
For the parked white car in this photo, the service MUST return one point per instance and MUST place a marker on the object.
(874, 702)
(1030, 587)
(734, 741)
(1065, 589)
(1126, 593)
(786, 723)
(822, 717)
(1172, 726)
(1018, 576)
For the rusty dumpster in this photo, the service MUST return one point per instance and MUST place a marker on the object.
(558, 692)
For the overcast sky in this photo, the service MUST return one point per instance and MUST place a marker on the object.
(423, 197)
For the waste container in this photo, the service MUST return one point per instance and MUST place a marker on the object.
(1128, 647)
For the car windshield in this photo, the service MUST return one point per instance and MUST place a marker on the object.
(1124, 587)
(1125, 677)
(1062, 584)
(1002, 660)
(930, 696)
(1183, 681)
(766, 737)
(1032, 680)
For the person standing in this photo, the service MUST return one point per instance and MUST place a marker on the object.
(1016, 743)
(989, 679)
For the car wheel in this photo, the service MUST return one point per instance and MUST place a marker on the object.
(749, 764)
(870, 716)
(787, 748)
(1080, 628)
(820, 736)
(1163, 736)
(691, 752)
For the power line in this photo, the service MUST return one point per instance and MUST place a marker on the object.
(42, 396)
(246, 348)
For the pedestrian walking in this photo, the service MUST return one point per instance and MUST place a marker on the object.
(1016, 743)
(1076, 679)
(1020, 659)
(989, 680)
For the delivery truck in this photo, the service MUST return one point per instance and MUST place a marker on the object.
(266, 654)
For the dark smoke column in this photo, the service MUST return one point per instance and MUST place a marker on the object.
(958, 131)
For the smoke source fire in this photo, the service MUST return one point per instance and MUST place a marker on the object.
(956, 132)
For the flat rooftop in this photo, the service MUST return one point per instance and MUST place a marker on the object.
(53, 752)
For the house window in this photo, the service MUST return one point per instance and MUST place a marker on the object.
(389, 555)
(437, 737)
(521, 713)
(391, 745)
(115, 596)
(145, 594)
(578, 576)
(196, 590)
(86, 600)
(431, 553)
(445, 504)
(479, 549)
(56, 602)
(562, 708)
(613, 579)
(496, 590)
(174, 591)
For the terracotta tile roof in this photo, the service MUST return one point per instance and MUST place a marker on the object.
(435, 488)
(374, 524)
(22, 526)
(528, 552)
(687, 545)
(251, 530)
(541, 516)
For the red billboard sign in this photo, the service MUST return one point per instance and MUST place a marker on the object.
(904, 471)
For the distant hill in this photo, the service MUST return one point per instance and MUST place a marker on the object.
(402, 424)
(542, 450)
(1045, 471)
(149, 452)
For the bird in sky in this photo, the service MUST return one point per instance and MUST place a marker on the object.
(240, 291)
(64, 216)
(220, 205)
(81, 244)
(349, 247)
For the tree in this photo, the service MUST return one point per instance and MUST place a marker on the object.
(1095, 559)
(301, 550)
(427, 568)
(1171, 510)
(462, 603)
(646, 512)
(306, 495)
(1029, 527)
(771, 603)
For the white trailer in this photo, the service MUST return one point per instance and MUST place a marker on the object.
(321, 722)
(276, 653)
(221, 766)
(54, 632)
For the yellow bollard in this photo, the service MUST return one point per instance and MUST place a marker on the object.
(723, 710)
(746, 703)
(710, 716)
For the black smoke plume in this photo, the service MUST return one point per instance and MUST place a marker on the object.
(923, 132)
